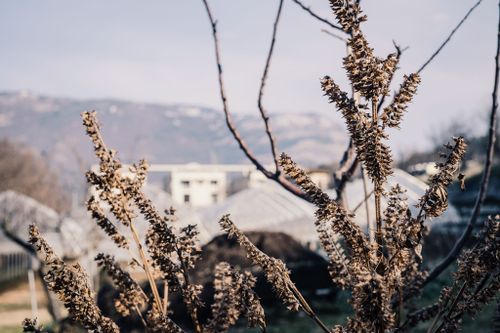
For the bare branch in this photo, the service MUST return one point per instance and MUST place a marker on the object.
(449, 37)
(51, 306)
(18, 240)
(486, 175)
(334, 35)
(285, 183)
(262, 111)
(367, 207)
(358, 206)
(308, 10)
(347, 166)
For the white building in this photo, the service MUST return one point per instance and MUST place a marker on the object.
(196, 187)
(199, 185)
(322, 178)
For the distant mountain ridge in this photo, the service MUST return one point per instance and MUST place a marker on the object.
(174, 133)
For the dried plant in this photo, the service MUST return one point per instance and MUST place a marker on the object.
(234, 296)
(476, 282)
(70, 283)
(31, 325)
(168, 253)
(131, 298)
(382, 274)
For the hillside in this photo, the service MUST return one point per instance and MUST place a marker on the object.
(160, 133)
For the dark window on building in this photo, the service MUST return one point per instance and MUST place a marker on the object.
(186, 198)
(185, 183)
(213, 182)
(215, 198)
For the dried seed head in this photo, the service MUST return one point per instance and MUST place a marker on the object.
(435, 200)
(329, 214)
(369, 75)
(348, 14)
(106, 225)
(32, 326)
(234, 297)
(393, 113)
(356, 120)
(70, 284)
(377, 156)
(131, 297)
(275, 270)
(162, 246)
(317, 196)
(414, 318)
(477, 279)
(159, 323)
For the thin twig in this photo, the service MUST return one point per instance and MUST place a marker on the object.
(450, 311)
(377, 185)
(308, 10)
(485, 179)
(347, 166)
(143, 321)
(263, 113)
(228, 116)
(307, 308)
(285, 183)
(165, 297)
(144, 260)
(449, 36)
(358, 206)
(334, 35)
(367, 207)
(399, 52)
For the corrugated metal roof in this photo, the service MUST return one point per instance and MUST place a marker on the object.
(267, 207)
(271, 208)
(18, 211)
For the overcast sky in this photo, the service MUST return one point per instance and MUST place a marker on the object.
(162, 51)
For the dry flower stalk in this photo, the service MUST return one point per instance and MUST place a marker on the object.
(70, 284)
(388, 270)
(131, 297)
(170, 253)
(476, 282)
(234, 297)
(381, 275)
(275, 270)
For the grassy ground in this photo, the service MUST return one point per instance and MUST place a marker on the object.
(338, 310)
(15, 305)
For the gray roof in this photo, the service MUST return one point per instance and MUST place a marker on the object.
(268, 207)
(18, 211)
(271, 208)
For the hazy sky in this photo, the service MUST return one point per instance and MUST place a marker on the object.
(162, 51)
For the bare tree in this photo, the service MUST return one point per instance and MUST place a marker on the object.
(24, 172)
